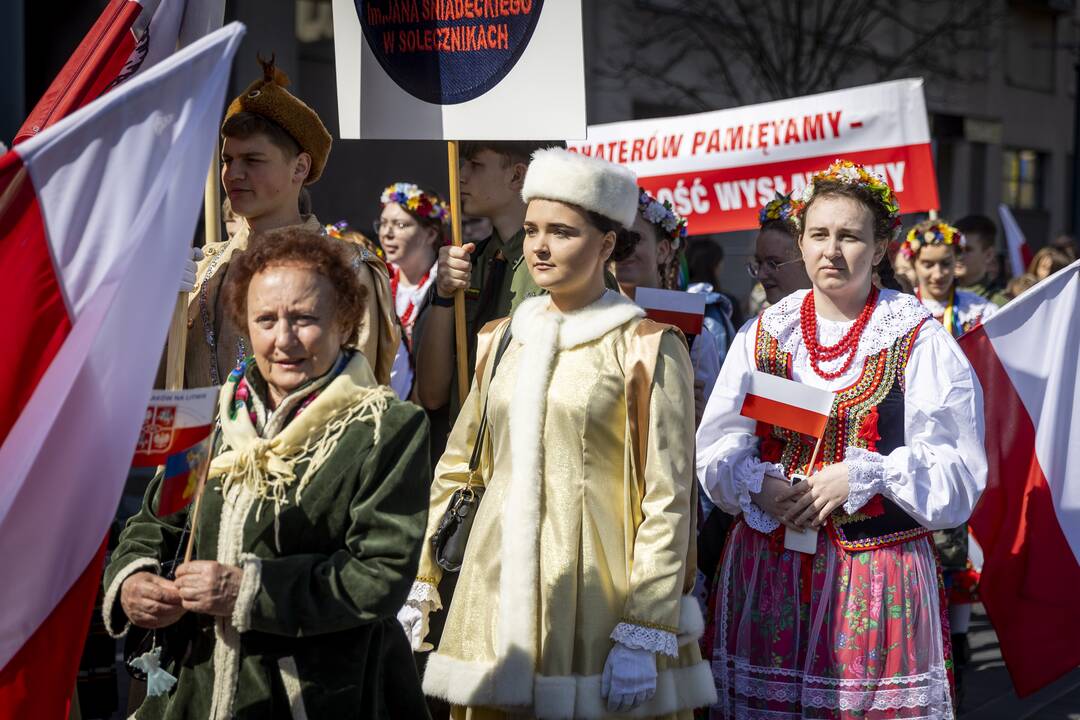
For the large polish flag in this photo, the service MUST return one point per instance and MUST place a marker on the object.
(96, 217)
(130, 36)
(1028, 520)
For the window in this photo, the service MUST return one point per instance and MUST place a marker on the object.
(1024, 179)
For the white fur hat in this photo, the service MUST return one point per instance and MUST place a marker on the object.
(591, 183)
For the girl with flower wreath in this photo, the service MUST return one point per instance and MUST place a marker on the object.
(856, 629)
(933, 248)
(411, 228)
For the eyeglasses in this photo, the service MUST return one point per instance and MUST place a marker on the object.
(384, 225)
(754, 267)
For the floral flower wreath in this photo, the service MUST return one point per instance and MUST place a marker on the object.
(931, 233)
(341, 231)
(777, 209)
(415, 200)
(663, 216)
(848, 173)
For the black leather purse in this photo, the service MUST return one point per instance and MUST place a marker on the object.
(448, 542)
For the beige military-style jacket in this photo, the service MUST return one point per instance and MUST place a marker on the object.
(215, 345)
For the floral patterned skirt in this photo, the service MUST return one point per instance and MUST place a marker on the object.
(835, 635)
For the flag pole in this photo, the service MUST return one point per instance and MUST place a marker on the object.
(204, 470)
(814, 457)
(459, 295)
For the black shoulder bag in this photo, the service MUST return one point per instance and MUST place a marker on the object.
(448, 542)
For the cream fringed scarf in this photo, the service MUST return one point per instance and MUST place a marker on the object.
(266, 467)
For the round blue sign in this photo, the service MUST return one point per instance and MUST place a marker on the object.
(448, 51)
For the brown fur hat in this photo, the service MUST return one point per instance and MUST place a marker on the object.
(268, 97)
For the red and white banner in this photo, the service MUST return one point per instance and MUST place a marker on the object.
(719, 168)
(789, 404)
(96, 217)
(1028, 519)
(684, 310)
(129, 36)
(175, 421)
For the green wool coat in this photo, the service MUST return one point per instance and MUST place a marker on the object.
(321, 639)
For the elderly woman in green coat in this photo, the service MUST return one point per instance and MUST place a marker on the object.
(311, 523)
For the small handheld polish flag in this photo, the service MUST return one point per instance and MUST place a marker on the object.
(795, 406)
(789, 404)
(684, 310)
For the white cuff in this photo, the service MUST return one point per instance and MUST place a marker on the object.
(753, 472)
(640, 637)
(424, 592)
(249, 588)
(866, 477)
(112, 593)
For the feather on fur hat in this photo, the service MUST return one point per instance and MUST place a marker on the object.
(268, 97)
(591, 183)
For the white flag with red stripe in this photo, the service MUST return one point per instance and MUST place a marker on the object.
(684, 310)
(1028, 519)
(789, 404)
(1020, 255)
(129, 36)
(96, 217)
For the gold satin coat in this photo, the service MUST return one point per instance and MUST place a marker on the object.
(613, 538)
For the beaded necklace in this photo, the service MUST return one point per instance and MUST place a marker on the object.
(846, 346)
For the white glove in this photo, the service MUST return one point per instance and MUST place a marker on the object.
(413, 617)
(191, 268)
(629, 678)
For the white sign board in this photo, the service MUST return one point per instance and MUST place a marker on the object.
(460, 69)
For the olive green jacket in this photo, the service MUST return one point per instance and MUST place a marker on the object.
(319, 638)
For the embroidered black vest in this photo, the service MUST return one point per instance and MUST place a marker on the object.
(869, 414)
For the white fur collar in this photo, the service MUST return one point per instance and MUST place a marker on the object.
(896, 313)
(574, 328)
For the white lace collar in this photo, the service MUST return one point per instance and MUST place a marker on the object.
(896, 314)
(535, 315)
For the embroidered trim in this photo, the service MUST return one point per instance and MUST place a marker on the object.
(651, 625)
(652, 639)
(423, 592)
(866, 477)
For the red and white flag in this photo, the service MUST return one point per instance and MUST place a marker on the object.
(1028, 519)
(1020, 255)
(684, 310)
(789, 404)
(129, 36)
(96, 217)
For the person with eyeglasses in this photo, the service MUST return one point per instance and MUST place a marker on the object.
(777, 263)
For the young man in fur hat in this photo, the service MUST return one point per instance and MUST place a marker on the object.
(273, 145)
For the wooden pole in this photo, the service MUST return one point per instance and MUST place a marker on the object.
(933, 214)
(204, 470)
(814, 457)
(459, 296)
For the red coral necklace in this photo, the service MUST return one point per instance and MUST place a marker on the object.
(847, 345)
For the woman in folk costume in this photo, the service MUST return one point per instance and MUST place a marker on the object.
(309, 527)
(856, 629)
(933, 248)
(570, 602)
(411, 229)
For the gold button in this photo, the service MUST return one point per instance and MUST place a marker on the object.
(190, 324)
(210, 251)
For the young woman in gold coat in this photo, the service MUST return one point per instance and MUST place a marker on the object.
(571, 597)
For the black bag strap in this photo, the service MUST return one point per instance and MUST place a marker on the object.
(478, 445)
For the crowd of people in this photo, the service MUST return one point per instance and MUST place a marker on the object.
(592, 528)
